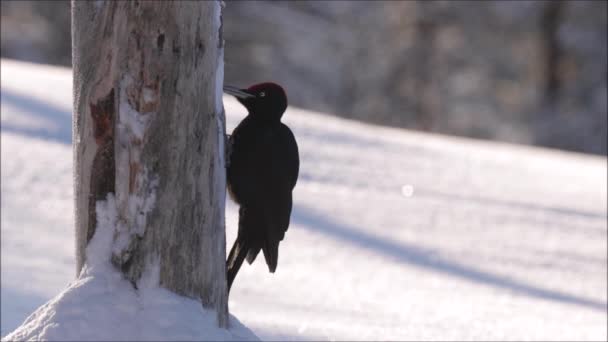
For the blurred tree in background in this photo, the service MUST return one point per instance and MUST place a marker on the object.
(36, 31)
(531, 72)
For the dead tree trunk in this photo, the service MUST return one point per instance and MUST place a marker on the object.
(149, 129)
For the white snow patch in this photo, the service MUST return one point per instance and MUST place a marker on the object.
(149, 95)
(407, 190)
(100, 246)
(104, 307)
(134, 123)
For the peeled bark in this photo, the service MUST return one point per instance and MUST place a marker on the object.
(149, 129)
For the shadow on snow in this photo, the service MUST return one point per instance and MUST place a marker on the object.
(429, 259)
(40, 109)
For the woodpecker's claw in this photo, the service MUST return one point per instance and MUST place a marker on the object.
(239, 93)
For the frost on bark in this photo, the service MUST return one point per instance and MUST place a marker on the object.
(149, 127)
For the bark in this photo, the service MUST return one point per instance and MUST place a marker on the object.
(149, 128)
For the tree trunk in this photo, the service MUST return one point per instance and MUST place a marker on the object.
(149, 128)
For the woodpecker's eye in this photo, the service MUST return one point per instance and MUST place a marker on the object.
(262, 94)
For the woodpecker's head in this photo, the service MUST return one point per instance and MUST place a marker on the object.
(264, 100)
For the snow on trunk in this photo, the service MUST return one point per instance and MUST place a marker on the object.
(149, 132)
(102, 306)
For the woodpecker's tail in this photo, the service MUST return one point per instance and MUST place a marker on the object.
(235, 260)
(271, 254)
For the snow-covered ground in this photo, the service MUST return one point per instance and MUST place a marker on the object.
(395, 234)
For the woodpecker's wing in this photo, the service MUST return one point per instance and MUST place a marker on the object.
(262, 173)
(264, 160)
(290, 154)
(286, 169)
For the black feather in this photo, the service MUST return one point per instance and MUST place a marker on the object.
(261, 175)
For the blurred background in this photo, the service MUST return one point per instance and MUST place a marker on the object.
(527, 72)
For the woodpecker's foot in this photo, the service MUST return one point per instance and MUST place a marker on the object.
(227, 150)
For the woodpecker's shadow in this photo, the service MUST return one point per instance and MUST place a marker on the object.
(62, 118)
(430, 259)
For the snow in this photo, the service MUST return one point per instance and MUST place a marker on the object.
(133, 122)
(138, 202)
(395, 235)
(101, 301)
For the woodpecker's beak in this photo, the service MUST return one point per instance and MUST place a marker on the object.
(239, 93)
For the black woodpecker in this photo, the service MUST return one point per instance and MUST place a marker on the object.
(262, 172)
